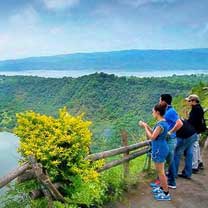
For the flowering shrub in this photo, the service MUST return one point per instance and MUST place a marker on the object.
(61, 145)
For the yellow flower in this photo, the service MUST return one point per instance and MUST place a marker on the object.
(57, 142)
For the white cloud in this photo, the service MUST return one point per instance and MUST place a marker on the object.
(22, 34)
(138, 3)
(26, 34)
(25, 18)
(60, 4)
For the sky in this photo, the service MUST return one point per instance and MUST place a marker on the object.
(50, 27)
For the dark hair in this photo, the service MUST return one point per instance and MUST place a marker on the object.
(160, 108)
(167, 98)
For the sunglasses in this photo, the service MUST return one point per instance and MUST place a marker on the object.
(190, 101)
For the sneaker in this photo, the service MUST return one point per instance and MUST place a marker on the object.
(157, 190)
(195, 170)
(155, 184)
(171, 186)
(184, 176)
(201, 166)
(162, 197)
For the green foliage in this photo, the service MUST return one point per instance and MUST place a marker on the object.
(61, 145)
(7, 119)
(87, 192)
(110, 102)
(61, 205)
(61, 141)
(17, 195)
(110, 187)
(202, 91)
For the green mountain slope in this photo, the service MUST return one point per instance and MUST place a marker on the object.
(111, 102)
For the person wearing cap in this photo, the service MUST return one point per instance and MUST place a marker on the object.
(186, 136)
(196, 117)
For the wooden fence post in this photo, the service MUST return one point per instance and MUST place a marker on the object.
(45, 181)
(124, 137)
(149, 161)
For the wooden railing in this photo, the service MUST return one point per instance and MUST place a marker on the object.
(140, 148)
(34, 170)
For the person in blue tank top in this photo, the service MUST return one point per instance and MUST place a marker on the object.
(160, 149)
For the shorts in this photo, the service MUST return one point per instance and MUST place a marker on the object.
(158, 156)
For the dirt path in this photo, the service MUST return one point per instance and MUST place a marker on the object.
(189, 193)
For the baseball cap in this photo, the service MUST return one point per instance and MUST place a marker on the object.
(192, 97)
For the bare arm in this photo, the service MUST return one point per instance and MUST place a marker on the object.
(152, 134)
(149, 128)
(177, 126)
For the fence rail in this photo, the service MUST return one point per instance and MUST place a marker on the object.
(13, 174)
(113, 152)
(125, 149)
(139, 149)
(124, 159)
(32, 169)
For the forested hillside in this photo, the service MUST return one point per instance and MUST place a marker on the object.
(181, 105)
(111, 102)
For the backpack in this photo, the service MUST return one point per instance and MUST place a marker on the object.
(203, 126)
(186, 131)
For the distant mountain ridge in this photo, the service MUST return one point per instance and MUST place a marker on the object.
(126, 60)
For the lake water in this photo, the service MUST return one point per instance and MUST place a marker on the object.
(78, 73)
(8, 153)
